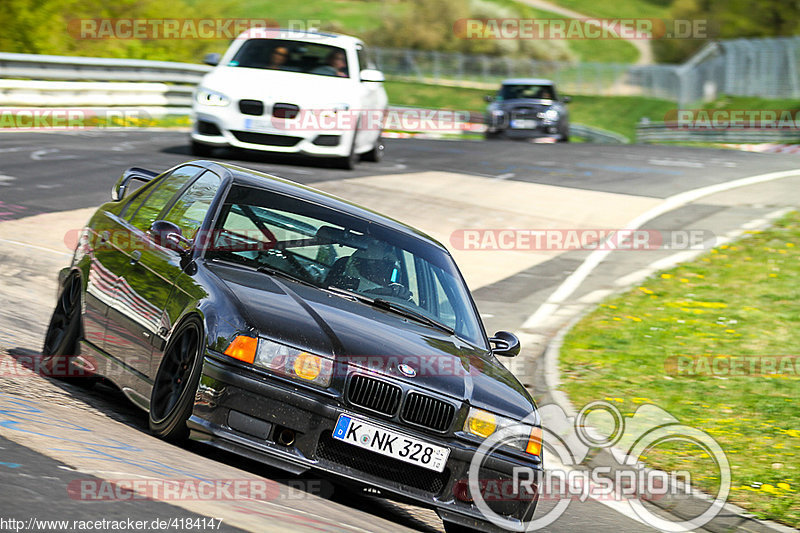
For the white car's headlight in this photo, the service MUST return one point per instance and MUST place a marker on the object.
(483, 424)
(497, 113)
(213, 98)
(551, 114)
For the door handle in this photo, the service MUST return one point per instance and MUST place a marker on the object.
(136, 255)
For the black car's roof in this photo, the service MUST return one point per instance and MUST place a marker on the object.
(254, 178)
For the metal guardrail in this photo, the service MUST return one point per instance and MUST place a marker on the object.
(664, 132)
(156, 87)
(43, 67)
(34, 93)
(597, 135)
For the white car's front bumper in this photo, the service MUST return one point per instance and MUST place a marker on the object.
(227, 126)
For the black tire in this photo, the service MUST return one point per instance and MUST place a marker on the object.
(564, 136)
(492, 135)
(200, 149)
(63, 333)
(376, 154)
(175, 385)
(348, 162)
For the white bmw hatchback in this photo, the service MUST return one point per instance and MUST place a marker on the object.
(292, 91)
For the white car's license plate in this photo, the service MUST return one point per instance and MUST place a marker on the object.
(391, 443)
(523, 124)
(258, 124)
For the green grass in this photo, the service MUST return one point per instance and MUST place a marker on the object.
(739, 300)
(614, 113)
(590, 50)
(9, 120)
(357, 17)
(354, 16)
(435, 96)
(618, 9)
(619, 114)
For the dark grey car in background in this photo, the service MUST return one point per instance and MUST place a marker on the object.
(526, 108)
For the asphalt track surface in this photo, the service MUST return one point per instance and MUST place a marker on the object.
(39, 419)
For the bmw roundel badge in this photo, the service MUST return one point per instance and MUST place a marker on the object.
(406, 370)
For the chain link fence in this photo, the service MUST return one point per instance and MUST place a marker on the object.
(769, 68)
(488, 71)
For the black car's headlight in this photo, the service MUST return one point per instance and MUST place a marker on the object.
(282, 359)
(213, 98)
(483, 424)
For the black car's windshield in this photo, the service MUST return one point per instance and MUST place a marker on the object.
(511, 92)
(327, 248)
(293, 56)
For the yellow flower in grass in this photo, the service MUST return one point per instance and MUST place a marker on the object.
(784, 486)
(645, 290)
(634, 318)
(790, 245)
(684, 280)
(666, 276)
(769, 489)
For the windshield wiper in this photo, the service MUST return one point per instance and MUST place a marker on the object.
(410, 313)
(280, 273)
(394, 307)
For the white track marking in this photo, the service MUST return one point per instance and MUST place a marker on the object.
(574, 280)
(42, 248)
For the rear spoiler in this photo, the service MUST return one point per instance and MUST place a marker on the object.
(132, 174)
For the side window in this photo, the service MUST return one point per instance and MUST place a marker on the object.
(160, 196)
(363, 59)
(138, 197)
(190, 209)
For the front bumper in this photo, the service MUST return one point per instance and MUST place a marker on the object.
(244, 413)
(227, 127)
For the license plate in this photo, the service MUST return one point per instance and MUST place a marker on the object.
(258, 124)
(390, 443)
(523, 124)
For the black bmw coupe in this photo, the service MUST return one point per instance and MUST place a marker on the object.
(290, 326)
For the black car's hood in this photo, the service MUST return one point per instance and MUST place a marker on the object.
(310, 319)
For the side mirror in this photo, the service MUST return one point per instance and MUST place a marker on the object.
(372, 75)
(505, 344)
(169, 236)
(488, 98)
(566, 99)
(132, 174)
(212, 59)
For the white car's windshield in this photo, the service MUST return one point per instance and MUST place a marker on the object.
(292, 56)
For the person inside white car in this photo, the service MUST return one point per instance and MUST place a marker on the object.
(336, 65)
